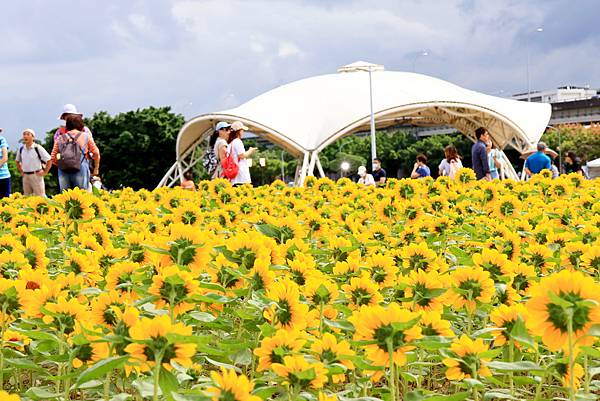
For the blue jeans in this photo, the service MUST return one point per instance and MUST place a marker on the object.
(78, 179)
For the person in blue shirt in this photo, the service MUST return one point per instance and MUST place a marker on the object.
(4, 173)
(420, 169)
(538, 161)
(479, 155)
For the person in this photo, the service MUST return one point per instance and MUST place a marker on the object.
(379, 174)
(188, 181)
(493, 162)
(4, 172)
(240, 154)
(69, 109)
(538, 161)
(420, 169)
(479, 155)
(364, 177)
(572, 163)
(451, 163)
(222, 131)
(33, 164)
(75, 131)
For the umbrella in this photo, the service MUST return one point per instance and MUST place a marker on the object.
(549, 152)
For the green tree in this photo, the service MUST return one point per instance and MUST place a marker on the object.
(136, 147)
(584, 141)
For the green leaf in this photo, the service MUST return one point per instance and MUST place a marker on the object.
(101, 369)
(268, 230)
(401, 326)
(497, 394)
(556, 300)
(308, 374)
(168, 383)
(222, 364)
(594, 330)
(202, 316)
(515, 366)
(520, 334)
(23, 363)
(38, 393)
(339, 324)
(419, 395)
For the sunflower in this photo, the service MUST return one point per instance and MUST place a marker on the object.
(590, 260)
(376, 324)
(66, 315)
(106, 308)
(507, 206)
(381, 269)
(556, 297)
(299, 373)
(362, 291)
(562, 368)
(302, 268)
(173, 287)
(187, 246)
(424, 290)
(231, 387)
(573, 252)
(467, 361)
(494, 262)
(84, 264)
(320, 290)
(187, 213)
(150, 342)
(286, 311)
(522, 276)
(75, 204)
(12, 263)
(35, 252)
(261, 277)
(16, 340)
(432, 324)
(330, 351)
(417, 256)
(122, 277)
(538, 256)
(470, 285)
(273, 349)
(4, 396)
(505, 317)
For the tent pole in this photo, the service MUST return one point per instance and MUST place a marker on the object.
(320, 167)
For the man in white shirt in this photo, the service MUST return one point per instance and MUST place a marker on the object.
(32, 162)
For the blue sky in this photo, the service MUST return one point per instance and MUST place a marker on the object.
(205, 55)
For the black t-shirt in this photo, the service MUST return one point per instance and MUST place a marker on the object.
(574, 167)
(378, 174)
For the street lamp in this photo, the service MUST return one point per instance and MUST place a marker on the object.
(370, 68)
(423, 53)
(540, 29)
(344, 166)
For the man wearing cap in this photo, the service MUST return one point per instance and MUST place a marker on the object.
(538, 161)
(32, 162)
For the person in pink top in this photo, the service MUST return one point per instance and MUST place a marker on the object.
(79, 178)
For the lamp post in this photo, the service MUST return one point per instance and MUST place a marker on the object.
(423, 53)
(540, 29)
(370, 68)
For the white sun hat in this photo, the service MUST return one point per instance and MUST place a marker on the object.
(69, 109)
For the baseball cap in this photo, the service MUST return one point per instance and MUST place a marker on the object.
(238, 125)
(69, 109)
(221, 125)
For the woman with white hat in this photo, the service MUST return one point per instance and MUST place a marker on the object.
(239, 153)
(364, 177)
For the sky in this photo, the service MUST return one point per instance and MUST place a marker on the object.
(200, 56)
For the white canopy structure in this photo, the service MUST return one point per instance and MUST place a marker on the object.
(305, 116)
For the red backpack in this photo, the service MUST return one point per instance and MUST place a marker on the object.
(230, 167)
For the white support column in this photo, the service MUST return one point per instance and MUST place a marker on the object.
(313, 160)
(320, 167)
(304, 169)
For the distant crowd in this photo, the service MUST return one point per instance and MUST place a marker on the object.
(74, 153)
(488, 162)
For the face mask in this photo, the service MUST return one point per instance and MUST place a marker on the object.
(376, 166)
(362, 174)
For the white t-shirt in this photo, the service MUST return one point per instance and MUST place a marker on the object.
(220, 142)
(236, 147)
(444, 166)
(367, 180)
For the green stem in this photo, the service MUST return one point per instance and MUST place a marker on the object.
(321, 318)
(67, 370)
(571, 356)
(511, 351)
(158, 362)
(538, 389)
(587, 375)
(392, 372)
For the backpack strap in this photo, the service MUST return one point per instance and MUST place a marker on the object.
(37, 151)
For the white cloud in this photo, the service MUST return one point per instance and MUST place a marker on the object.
(288, 49)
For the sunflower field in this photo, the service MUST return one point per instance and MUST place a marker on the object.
(422, 290)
